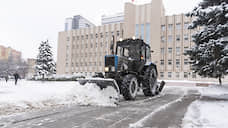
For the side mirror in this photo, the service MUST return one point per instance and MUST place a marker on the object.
(151, 51)
(112, 48)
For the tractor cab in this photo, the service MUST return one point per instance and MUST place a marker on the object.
(133, 49)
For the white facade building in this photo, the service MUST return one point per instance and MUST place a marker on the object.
(110, 19)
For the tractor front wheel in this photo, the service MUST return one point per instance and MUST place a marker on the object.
(150, 83)
(130, 87)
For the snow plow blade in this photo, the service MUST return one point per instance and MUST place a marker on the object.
(162, 84)
(102, 83)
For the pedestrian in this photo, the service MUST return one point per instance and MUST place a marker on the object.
(16, 77)
(6, 78)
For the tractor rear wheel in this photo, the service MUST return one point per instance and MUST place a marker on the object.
(150, 83)
(130, 87)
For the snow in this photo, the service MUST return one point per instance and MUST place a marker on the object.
(206, 115)
(209, 112)
(36, 95)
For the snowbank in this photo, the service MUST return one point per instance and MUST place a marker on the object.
(211, 111)
(34, 94)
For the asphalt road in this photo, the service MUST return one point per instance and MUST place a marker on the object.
(163, 111)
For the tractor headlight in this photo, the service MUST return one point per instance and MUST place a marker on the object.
(106, 69)
(113, 69)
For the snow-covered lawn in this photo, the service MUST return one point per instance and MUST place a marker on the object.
(33, 94)
(211, 111)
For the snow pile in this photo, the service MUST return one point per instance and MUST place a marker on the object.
(33, 94)
(215, 92)
(210, 111)
(206, 115)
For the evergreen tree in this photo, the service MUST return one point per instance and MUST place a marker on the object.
(45, 64)
(209, 56)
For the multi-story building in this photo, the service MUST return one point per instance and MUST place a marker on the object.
(68, 24)
(83, 50)
(110, 19)
(9, 53)
(77, 22)
(31, 67)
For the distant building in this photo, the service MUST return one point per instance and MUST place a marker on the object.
(68, 24)
(111, 19)
(31, 67)
(9, 53)
(83, 50)
(77, 22)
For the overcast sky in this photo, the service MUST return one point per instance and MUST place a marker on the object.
(25, 23)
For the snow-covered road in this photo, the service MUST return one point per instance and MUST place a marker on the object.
(67, 105)
(167, 109)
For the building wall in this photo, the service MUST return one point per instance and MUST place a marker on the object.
(83, 50)
(9, 53)
(31, 67)
(110, 19)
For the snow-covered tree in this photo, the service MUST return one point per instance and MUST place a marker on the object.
(209, 56)
(45, 64)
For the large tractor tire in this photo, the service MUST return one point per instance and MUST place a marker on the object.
(130, 87)
(150, 83)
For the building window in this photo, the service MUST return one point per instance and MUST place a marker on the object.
(177, 63)
(186, 37)
(193, 75)
(148, 33)
(170, 27)
(137, 30)
(177, 74)
(106, 34)
(178, 50)
(91, 36)
(186, 24)
(163, 27)
(162, 62)
(82, 37)
(96, 35)
(161, 74)
(73, 38)
(170, 74)
(185, 49)
(170, 50)
(185, 61)
(101, 44)
(162, 39)
(77, 37)
(142, 31)
(91, 45)
(87, 36)
(162, 50)
(185, 74)
(178, 26)
(170, 38)
(117, 33)
(68, 38)
(169, 62)
(101, 35)
(177, 37)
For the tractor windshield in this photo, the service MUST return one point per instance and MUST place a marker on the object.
(123, 51)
